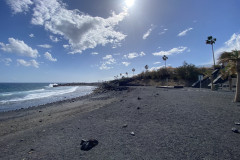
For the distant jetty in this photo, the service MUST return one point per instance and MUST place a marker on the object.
(77, 84)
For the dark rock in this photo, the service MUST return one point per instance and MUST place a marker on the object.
(39, 111)
(40, 121)
(138, 107)
(87, 145)
(31, 151)
(237, 123)
(125, 126)
(235, 130)
(139, 98)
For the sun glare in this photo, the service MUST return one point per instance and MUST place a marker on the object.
(129, 3)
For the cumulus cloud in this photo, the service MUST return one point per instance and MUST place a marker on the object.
(82, 31)
(148, 32)
(49, 57)
(19, 47)
(232, 44)
(94, 53)
(170, 52)
(6, 61)
(19, 6)
(107, 61)
(126, 63)
(156, 62)
(53, 39)
(31, 35)
(30, 63)
(183, 33)
(134, 55)
(45, 46)
(156, 68)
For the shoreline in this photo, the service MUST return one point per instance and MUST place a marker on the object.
(167, 124)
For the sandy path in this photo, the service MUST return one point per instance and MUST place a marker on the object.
(168, 124)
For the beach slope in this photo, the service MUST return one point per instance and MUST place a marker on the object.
(138, 123)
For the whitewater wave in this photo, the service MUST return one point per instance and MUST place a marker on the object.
(40, 93)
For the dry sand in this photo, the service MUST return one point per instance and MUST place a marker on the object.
(167, 124)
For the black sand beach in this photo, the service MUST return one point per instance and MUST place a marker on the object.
(167, 124)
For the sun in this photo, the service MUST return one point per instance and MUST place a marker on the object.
(129, 3)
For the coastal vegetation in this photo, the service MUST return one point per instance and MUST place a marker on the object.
(232, 67)
(187, 74)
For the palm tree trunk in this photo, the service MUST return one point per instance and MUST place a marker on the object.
(237, 95)
(213, 57)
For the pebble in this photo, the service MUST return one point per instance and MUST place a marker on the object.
(125, 125)
(138, 107)
(139, 98)
(87, 145)
(237, 123)
(132, 133)
(235, 130)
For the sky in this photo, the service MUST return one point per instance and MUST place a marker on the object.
(96, 40)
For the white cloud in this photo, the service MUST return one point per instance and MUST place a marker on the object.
(126, 63)
(232, 44)
(19, 47)
(134, 55)
(30, 63)
(31, 35)
(82, 31)
(156, 68)
(142, 54)
(156, 62)
(163, 32)
(148, 32)
(49, 57)
(45, 46)
(53, 39)
(183, 33)
(170, 52)
(6, 61)
(19, 6)
(66, 46)
(108, 60)
(94, 53)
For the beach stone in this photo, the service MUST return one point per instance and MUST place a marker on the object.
(31, 151)
(139, 98)
(40, 121)
(237, 123)
(125, 126)
(132, 133)
(39, 111)
(235, 130)
(138, 107)
(87, 145)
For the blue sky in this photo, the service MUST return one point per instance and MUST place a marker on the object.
(95, 40)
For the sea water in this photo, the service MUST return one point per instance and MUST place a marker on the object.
(23, 95)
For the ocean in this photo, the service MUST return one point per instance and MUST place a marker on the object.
(23, 95)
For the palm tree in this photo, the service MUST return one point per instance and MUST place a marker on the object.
(146, 67)
(211, 41)
(165, 59)
(233, 60)
(133, 70)
(127, 74)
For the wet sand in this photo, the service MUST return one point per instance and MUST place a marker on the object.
(167, 124)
